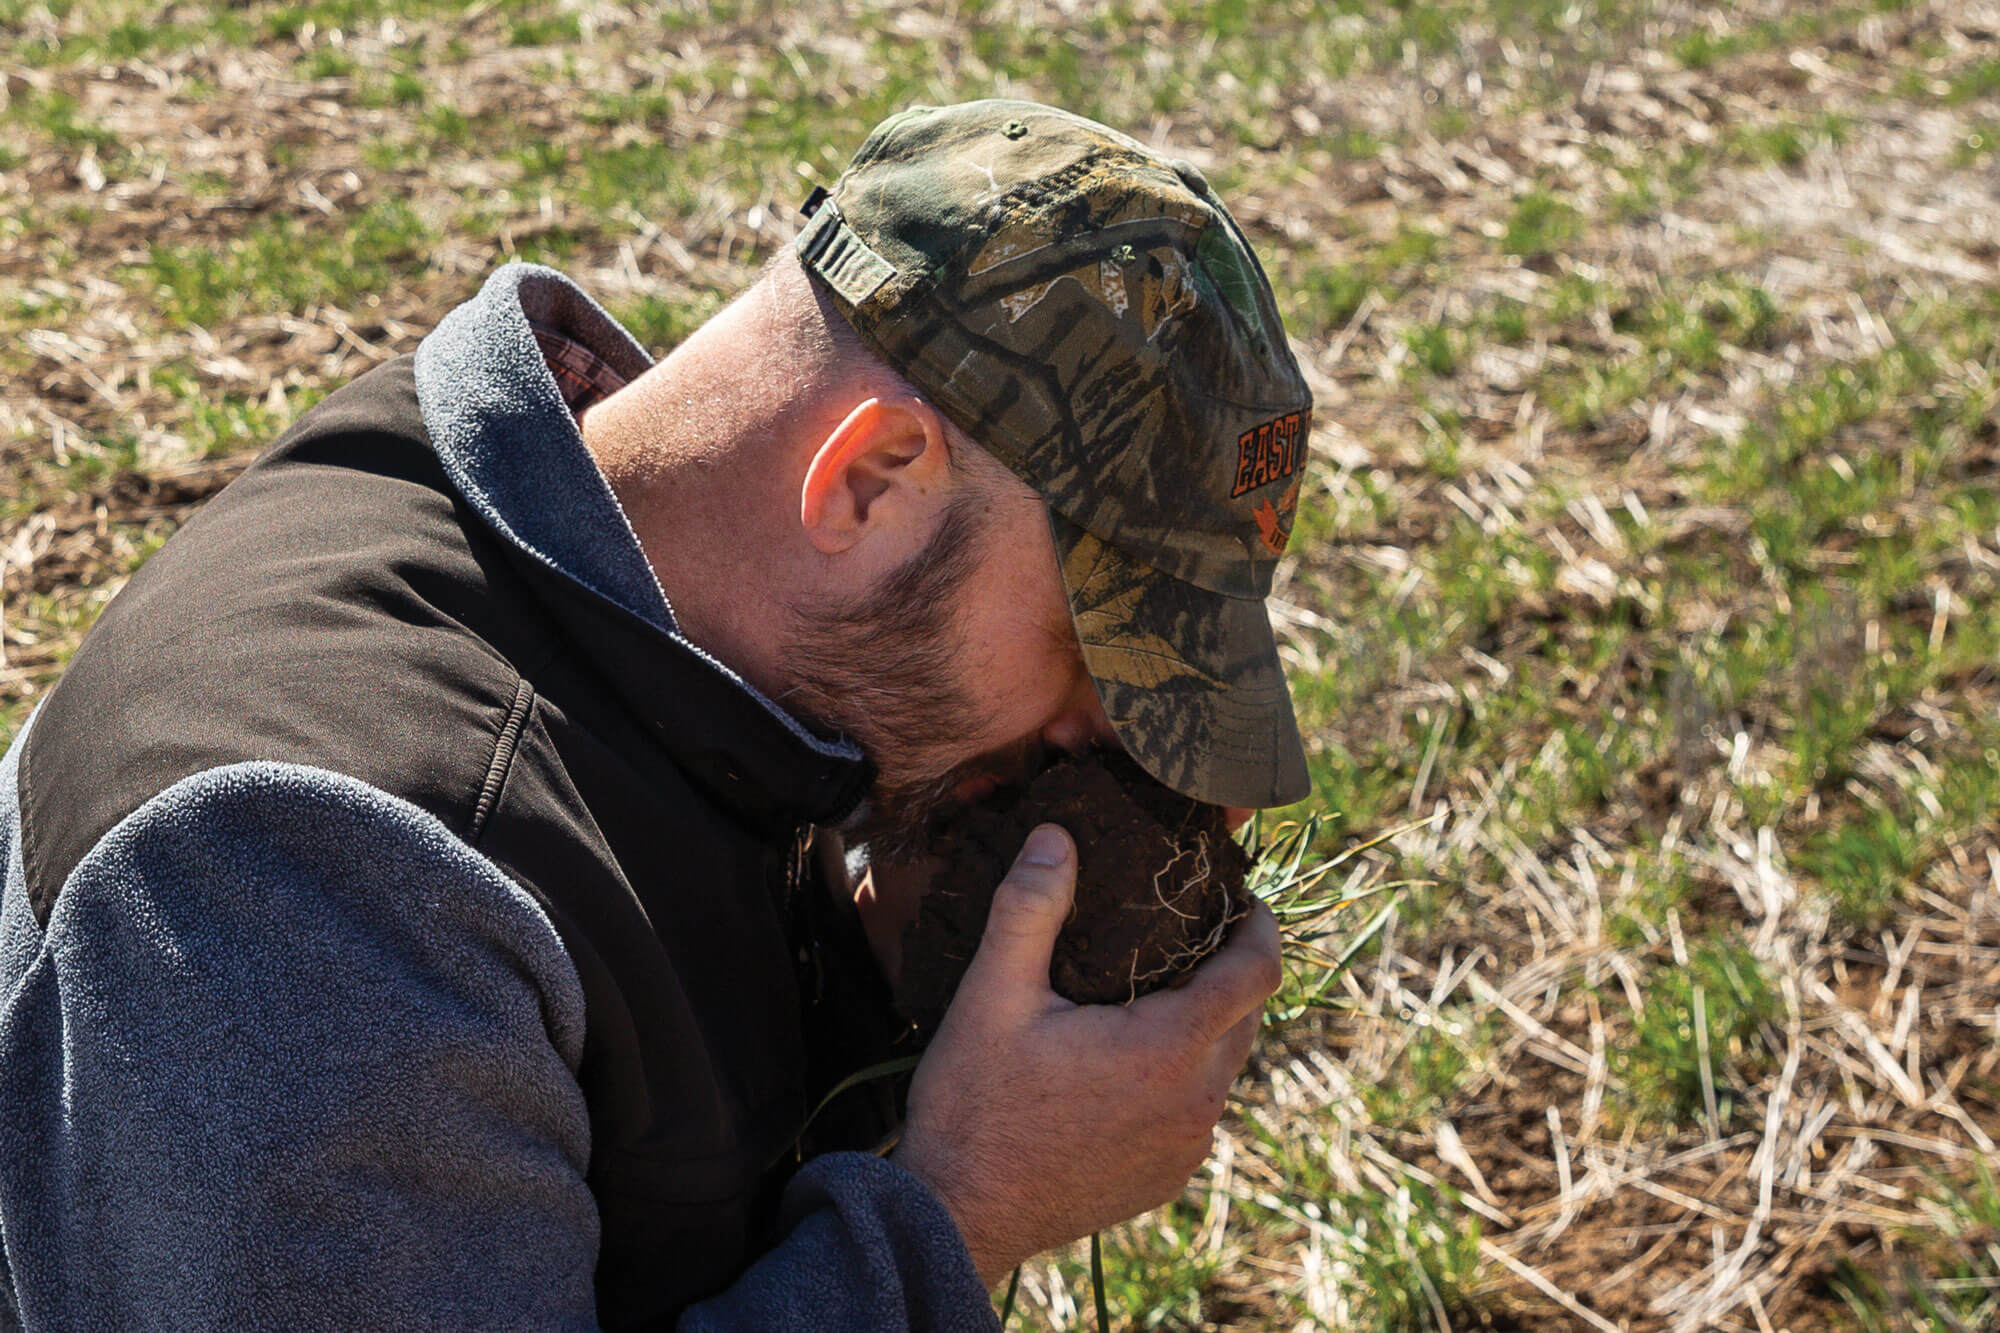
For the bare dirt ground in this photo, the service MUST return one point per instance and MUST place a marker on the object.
(1647, 583)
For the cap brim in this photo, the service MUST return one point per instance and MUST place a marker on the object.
(1189, 678)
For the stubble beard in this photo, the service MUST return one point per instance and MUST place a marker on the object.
(881, 670)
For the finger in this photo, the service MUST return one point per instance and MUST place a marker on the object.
(1227, 986)
(1215, 1071)
(1225, 1059)
(1029, 909)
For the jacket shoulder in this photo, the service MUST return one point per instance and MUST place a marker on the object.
(336, 606)
(382, 400)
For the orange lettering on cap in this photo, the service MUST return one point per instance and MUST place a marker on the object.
(1246, 460)
(1270, 452)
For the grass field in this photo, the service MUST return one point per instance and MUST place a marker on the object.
(1641, 609)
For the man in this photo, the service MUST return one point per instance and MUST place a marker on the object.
(409, 915)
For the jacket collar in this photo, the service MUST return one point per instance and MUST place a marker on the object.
(511, 446)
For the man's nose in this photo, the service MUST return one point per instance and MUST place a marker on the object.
(1083, 725)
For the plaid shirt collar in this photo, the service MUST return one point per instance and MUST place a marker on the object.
(584, 377)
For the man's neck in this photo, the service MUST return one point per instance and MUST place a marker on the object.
(704, 526)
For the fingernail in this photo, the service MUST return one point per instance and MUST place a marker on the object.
(1046, 846)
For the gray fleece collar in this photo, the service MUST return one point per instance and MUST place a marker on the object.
(512, 448)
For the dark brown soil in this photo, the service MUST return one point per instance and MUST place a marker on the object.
(1159, 882)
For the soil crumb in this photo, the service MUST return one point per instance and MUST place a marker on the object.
(1159, 883)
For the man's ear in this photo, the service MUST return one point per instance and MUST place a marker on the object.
(886, 462)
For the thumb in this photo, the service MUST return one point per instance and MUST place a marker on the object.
(1029, 909)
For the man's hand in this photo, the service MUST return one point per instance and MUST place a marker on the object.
(1037, 1120)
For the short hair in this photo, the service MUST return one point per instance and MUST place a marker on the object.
(813, 326)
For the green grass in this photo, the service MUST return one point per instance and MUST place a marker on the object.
(1665, 179)
(1699, 1027)
(1864, 863)
(55, 118)
(1414, 1256)
(661, 322)
(1155, 1275)
(1976, 82)
(1714, 39)
(1787, 143)
(1429, 1069)
(1435, 348)
(285, 264)
(1507, 322)
(1540, 224)
(1684, 331)
(1324, 296)
(88, 464)
(546, 29)
(328, 62)
(1977, 143)
(221, 421)
(106, 31)
(137, 34)
(1408, 1259)
(1317, 298)
(1947, 1280)
(1664, 885)
(1747, 665)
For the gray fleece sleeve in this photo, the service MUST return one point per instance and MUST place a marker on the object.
(870, 1250)
(290, 1054)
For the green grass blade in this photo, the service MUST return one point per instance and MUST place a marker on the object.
(1367, 933)
(1097, 1281)
(885, 1069)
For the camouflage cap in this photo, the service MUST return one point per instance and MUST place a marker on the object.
(1089, 312)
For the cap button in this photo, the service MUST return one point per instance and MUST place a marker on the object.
(1014, 129)
(1190, 175)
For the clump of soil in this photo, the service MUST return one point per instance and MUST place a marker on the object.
(1159, 882)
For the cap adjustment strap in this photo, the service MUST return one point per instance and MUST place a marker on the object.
(830, 248)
